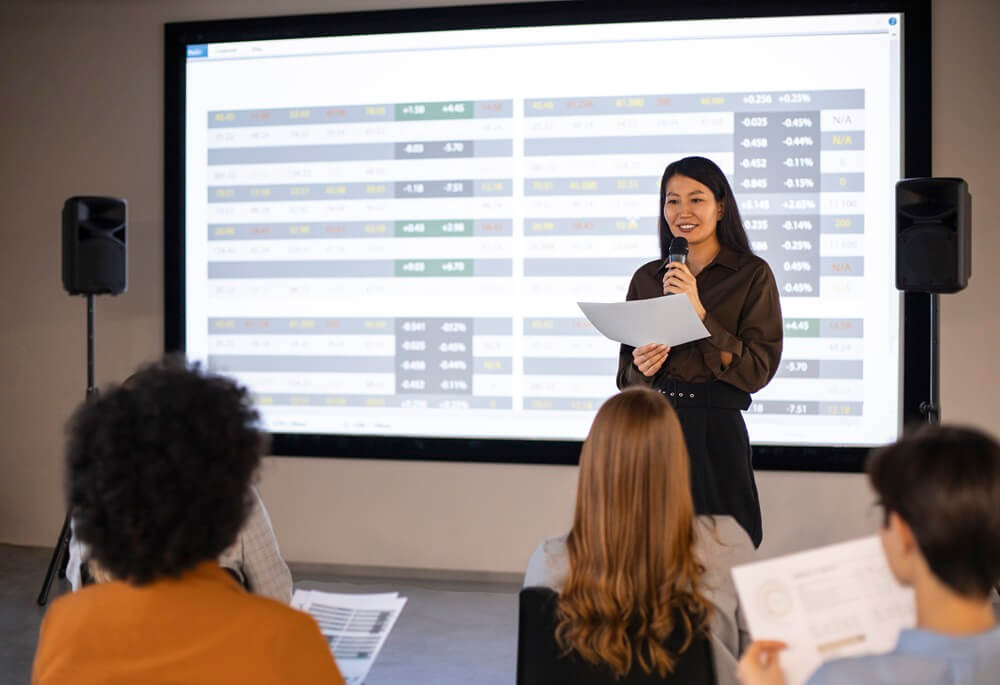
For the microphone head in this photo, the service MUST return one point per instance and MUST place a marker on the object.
(678, 250)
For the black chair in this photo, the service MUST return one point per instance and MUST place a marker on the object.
(539, 663)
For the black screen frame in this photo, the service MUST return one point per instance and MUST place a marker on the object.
(916, 86)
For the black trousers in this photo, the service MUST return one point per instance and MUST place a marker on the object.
(722, 480)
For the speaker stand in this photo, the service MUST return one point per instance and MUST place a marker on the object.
(931, 409)
(60, 555)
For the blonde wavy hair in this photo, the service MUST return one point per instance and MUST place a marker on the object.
(633, 576)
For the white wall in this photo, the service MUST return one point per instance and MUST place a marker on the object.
(81, 93)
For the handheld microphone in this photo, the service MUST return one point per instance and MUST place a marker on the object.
(678, 250)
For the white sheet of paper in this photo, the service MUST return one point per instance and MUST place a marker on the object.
(669, 320)
(355, 626)
(825, 603)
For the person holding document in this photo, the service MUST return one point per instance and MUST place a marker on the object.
(939, 490)
(709, 381)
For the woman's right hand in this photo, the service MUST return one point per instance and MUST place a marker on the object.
(760, 664)
(649, 358)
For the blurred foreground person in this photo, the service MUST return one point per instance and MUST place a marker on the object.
(939, 489)
(254, 558)
(159, 485)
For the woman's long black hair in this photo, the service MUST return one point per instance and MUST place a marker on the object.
(730, 228)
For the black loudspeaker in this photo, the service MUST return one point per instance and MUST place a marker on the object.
(933, 235)
(94, 257)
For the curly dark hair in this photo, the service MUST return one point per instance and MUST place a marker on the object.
(160, 468)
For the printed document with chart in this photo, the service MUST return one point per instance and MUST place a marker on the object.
(825, 603)
(355, 626)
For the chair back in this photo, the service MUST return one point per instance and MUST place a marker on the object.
(539, 661)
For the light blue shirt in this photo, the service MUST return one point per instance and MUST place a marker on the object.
(922, 658)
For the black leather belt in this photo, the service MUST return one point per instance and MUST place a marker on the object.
(715, 394)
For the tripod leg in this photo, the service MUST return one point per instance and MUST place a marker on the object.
(56, 563)
(65, 555)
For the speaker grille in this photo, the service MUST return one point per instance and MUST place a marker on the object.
(933, 241)
(94, 245)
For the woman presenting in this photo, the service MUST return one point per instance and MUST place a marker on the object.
(709, 381)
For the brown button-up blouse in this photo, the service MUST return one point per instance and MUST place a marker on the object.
(743, 317)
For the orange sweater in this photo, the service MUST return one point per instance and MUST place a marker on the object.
(200, 628)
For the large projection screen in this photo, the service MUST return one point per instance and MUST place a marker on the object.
(381, 222)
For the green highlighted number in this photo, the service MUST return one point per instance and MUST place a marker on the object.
(434, 228)
(434, 268)
(801, 328)
(422, 111)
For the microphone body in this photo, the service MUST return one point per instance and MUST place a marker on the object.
(678, 251)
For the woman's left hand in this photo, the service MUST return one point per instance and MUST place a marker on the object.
(679, 279)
